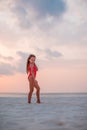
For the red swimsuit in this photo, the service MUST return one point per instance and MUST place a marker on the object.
(34, 69)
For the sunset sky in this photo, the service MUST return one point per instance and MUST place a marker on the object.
(56, 32)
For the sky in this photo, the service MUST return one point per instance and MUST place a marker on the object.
(56, 32)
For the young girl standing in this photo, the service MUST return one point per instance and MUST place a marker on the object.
(31, 69)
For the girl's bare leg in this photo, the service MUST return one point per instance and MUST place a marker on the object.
(37, 91)
(31, 85)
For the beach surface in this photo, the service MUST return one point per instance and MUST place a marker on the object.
(56, 112)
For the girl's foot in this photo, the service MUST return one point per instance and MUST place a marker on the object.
(29, 101)
(38, 101)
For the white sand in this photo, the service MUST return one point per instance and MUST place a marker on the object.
(56, 112)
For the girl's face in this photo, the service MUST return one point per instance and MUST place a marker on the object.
(32, 60)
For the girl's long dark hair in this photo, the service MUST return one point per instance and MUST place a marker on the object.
(28, 62)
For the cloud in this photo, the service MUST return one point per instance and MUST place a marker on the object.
(11, 68)
(53, 54)
(51, 7)
(56, 27)
(48, 7)
(6, 65)
(6, 69)
(74, 21)
(30, 12)
(21, 14)
(7, 58)
(22, 61)
(43, 18)
(48, 53)
(45, 58)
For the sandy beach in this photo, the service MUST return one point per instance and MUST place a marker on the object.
(56, 112)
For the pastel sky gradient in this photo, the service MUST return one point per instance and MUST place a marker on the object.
(56, 32)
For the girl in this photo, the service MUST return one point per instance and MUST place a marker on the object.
(31, 69)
